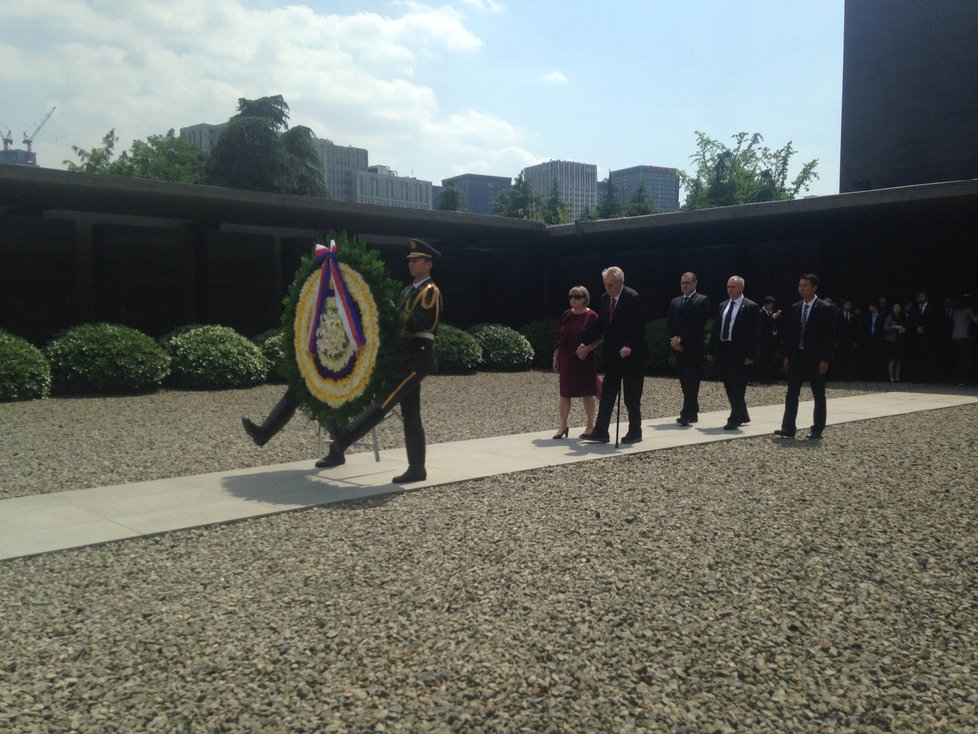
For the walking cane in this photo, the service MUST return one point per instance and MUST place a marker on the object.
(618, 415)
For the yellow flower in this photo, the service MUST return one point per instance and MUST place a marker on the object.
(333, 349)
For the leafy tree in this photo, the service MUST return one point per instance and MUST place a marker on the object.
(556, 211)
(452, 199)
(610, 205)
(256, 151)
(96, 160)
(640, 202)
(748, 172)
(159, 157)
(519, 202)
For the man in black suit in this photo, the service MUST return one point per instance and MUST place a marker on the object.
(808, 343)
(735, 343)
(873, 344)
(848, 331)
(686, 321)
(767, 366)
(622, 327)
(925, 339)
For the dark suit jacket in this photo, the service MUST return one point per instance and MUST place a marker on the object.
(819, 333)
(745, 336)
(626, 329)
(689, 323)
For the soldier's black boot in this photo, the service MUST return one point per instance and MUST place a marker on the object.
(415, 446)
(281, 414)
(343, 438)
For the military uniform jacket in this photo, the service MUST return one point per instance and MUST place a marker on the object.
(420, 313)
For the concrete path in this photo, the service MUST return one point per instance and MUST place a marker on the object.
(49, 522)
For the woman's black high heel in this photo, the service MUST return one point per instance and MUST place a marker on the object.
(562, 434)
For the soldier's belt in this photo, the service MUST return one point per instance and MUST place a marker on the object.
(423, 335)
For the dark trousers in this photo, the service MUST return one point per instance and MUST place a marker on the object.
(631, 385)
(735, 377)
(804, 369)
(689, 365)
(403, 389)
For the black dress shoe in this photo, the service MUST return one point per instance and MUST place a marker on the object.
(632, 438)
(784, 433)
(411, 475)
(255, 433)
(330, 460)
(682, 421)
(730, 426)
(596, 436)
(814, 435)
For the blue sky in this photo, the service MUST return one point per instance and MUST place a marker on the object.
(437, 89)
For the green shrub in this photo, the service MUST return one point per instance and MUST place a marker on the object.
(662, 360)
(541, 336)
(24, 372)
(502, 348)
(105, 358)
(457, 351)
(272, 345)
(215, 358)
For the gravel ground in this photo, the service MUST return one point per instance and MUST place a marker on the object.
(750, 585)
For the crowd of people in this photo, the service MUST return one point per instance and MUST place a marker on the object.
(814, 341)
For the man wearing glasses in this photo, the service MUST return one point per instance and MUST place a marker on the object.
(686, 320)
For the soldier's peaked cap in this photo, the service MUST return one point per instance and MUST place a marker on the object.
(420, 248)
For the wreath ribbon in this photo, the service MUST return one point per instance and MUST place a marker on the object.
(330, 276)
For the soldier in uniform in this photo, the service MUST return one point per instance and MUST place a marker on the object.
(420, 311)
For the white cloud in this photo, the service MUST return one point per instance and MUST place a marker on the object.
(553, 77)
(142, 67)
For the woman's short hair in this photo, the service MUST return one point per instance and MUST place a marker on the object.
(580, 290)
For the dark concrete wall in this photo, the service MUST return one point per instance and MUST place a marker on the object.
(909, 96)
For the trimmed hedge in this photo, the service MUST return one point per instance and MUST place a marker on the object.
(214, 358)
(457, 350)
(272, 345)
(541, 335)
(503, 348)
(99, 358)
(24, 371)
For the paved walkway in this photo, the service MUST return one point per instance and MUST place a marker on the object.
(50, 522)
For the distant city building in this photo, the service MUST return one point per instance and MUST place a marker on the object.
(203, 136)
(909, 97)
(479, 190)
(382, 186)
(576, 182)
(18, 157)
(340, 166)
(661, 183)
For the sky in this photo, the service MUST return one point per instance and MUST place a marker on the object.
(436, 89)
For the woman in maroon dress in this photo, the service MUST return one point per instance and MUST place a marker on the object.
(578, 377)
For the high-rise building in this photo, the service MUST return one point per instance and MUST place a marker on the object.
(909, 97)
(202, 135)
(576, 182)
(340, 166)
(479, 190)
(661, 183)
(382, 186)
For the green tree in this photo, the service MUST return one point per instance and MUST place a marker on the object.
(159, 157)
(452, 199)
(555, 211)
(519, 202)
(96, 160)
(257, 151)
(748, 172)
(610, 205)
(640, 202)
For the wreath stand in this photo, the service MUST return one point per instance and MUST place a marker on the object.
(374, 442)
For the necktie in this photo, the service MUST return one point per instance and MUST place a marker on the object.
(804, 324)
(685, 301)
(611, 309)
(725, 333)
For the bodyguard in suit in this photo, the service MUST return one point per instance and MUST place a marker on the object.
(621, 325)
(808, 343)
(734, 345)
(686, 322)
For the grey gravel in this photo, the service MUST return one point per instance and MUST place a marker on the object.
(747, 585)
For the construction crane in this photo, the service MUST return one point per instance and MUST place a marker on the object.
(29, 139)
(7, 140)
